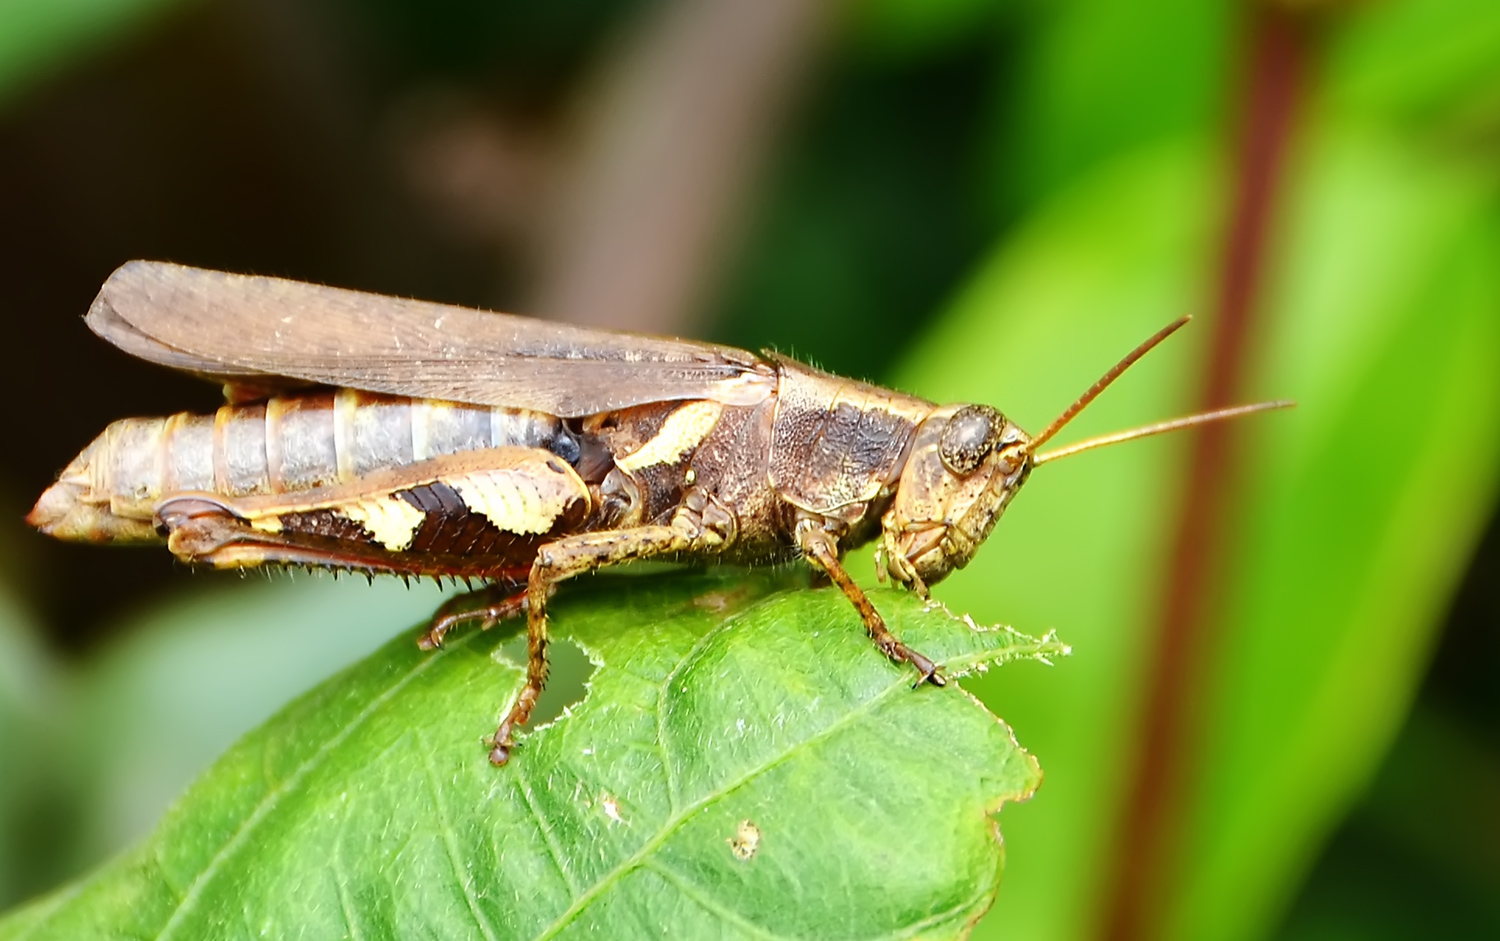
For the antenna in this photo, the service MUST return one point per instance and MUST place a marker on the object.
(1161, 427)
(1145, 431)
(1104, 382)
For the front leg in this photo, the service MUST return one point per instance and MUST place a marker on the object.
(821, 550)
(561, 560)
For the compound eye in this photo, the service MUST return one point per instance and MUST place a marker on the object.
(969, 437)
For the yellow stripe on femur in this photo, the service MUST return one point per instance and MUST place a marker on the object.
(517, 501)
(391, 520)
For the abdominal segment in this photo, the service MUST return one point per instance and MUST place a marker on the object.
(286, 447)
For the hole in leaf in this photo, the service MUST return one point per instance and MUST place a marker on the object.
(745, 842)
(567, 684)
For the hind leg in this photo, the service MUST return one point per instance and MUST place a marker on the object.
(561, 560)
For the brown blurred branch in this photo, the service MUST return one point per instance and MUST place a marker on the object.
(676, 128)
(1139, 889)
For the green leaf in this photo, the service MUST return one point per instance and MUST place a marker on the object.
(744, 764)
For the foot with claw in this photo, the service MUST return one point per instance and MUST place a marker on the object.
(499, 751)
(502, 743)
(928, 672)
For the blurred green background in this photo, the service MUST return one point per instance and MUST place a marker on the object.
(1280, 720)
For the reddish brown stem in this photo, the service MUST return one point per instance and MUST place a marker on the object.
(1141, 870)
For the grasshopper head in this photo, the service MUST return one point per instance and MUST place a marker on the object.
(965, 464)
(967, 461)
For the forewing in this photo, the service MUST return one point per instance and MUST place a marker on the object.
(257, 332)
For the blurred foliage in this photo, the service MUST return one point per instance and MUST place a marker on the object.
(844, 232)
(27, 692)
(94, 753)
(1428, 64)
(1388, 272)
(39, 37)
(679, 792)
(1054, 307)
(1407, 863)
(895, 30)
(526, 46)
(186, 677)
(1099, 79)
(992, 201)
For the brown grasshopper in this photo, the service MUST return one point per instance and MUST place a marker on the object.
(384, 435)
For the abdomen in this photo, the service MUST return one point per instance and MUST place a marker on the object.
(286, 445)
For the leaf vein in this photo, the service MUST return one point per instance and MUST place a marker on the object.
(691, 892)
(346, 904)
(445, 829)
(663, 702)
(523, 786)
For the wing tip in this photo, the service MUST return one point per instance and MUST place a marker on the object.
(126, 288)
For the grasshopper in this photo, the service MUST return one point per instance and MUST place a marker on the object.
(383, 435)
